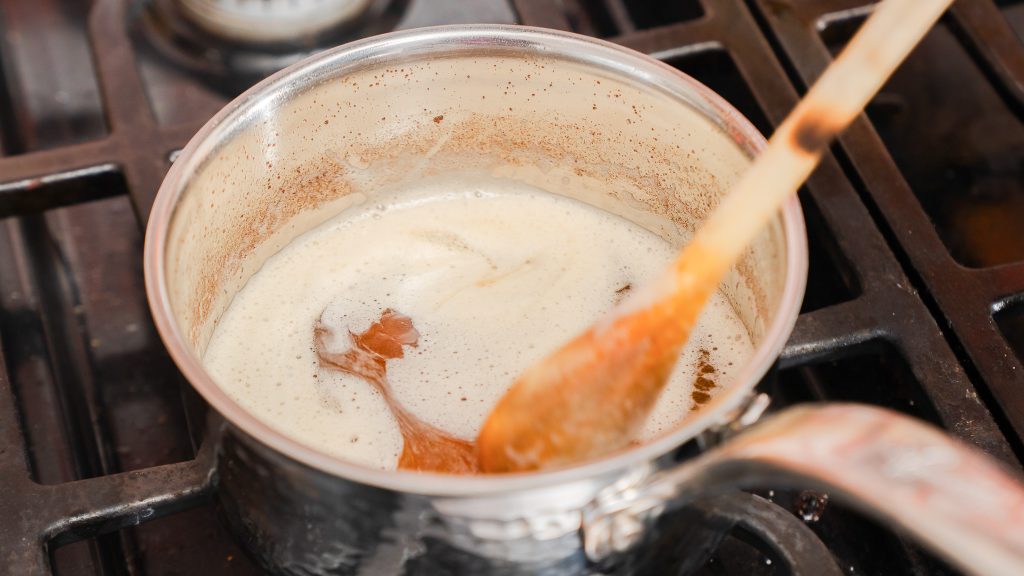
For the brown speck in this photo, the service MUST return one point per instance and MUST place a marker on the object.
(438, 118)
(813, 133)
(704, 383)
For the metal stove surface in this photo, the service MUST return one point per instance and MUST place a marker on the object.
(915, 298)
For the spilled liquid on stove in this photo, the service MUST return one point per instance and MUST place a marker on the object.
(393, 329)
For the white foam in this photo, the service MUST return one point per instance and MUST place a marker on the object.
(494, 275)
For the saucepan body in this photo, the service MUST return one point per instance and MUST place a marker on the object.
(570, 115)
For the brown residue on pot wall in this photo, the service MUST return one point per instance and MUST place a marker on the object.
(284, 196)
(704, 382)
(644, 162)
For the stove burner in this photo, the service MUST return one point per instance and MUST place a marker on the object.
(235, 43)
(742, 534)
(271, 21)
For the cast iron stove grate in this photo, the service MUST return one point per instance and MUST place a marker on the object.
(99, 470)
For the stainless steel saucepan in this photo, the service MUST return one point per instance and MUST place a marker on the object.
(577, 117)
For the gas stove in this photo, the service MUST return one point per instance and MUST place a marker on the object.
(915, 298)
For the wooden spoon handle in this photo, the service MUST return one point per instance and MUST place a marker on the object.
(593, 394)
(833, 102)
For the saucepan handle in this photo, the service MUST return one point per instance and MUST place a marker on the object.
(957, 501)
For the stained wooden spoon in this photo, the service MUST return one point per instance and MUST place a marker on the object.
(593, 395)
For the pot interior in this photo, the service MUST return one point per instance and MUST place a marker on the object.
(647, 144)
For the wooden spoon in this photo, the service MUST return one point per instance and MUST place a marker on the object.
(593, 395)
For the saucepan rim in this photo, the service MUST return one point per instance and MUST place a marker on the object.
(266, 96)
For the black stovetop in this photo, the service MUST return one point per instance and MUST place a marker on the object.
(915, 298)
